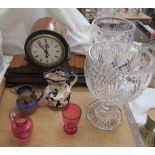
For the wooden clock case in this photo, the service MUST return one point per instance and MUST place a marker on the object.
(23, 70)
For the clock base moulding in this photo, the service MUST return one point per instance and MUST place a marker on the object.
(22, 72)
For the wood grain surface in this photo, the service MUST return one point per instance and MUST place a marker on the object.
(140, 16)
(48, 125)
(21, 71)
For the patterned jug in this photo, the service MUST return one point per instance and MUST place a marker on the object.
(57, 93)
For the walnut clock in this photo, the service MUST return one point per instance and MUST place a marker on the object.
(46, 45)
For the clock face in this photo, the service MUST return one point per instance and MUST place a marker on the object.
(46, 50)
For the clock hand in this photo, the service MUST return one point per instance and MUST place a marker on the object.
(44, 48)
(46, 44)
(40, 45)
(47, 53)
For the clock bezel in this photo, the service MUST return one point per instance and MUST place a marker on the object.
(32, 37)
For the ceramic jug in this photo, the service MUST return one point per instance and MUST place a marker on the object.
(21, 126)
(57, 93)
(27, 101)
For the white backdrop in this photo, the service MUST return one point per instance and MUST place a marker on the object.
(16, 24)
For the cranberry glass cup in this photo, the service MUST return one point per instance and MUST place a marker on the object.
(71, 117)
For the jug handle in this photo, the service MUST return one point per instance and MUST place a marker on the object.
(73, 81)
(12, 116)
(14, 91)
(41, 91)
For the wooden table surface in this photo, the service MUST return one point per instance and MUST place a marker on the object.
(140, 16)
(48, 125)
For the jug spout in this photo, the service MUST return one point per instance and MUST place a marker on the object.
(56, 75)
(47, 77)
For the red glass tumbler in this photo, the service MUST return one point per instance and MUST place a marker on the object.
(71, 117)
(21, 126)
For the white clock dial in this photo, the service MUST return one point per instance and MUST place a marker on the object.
(47, 50)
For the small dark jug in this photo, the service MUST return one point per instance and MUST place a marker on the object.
(27, 101)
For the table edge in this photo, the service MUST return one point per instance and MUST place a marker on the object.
(134, 127)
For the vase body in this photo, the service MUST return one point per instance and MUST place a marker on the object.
(21, 126)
